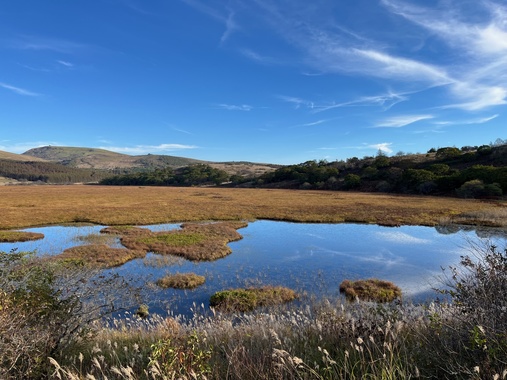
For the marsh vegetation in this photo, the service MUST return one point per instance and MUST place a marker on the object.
(49, 328)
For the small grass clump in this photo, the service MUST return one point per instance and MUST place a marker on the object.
(370, 290)
(124, 230)
(19, 236)
(181, 281)
(243, 300)
(99, 255)
(194, 241)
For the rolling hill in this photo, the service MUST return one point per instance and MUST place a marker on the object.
(93, 158)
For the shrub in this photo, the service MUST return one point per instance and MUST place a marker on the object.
(44, 306)
(470, 189)
(478, 290)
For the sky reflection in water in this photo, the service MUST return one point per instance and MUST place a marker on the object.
(310, 258)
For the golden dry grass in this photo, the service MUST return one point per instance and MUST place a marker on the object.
(19, 236)
(42, 205)
(99, 255)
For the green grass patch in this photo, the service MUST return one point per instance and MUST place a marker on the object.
(243, 300)
(370, 290)
(194, 241)
(19, 236)
(174, 239)
(181, 281)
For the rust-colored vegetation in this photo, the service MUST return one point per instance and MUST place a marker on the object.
(181, 281)
(370, 290)
(19, 236)
(196, 242)
(243, 300)
(41, 205)
(98, 256)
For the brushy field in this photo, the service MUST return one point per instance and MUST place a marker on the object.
(27, 206)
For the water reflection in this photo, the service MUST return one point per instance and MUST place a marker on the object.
(310, 258)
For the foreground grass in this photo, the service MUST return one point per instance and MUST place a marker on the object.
(42, 205)
(326, 340)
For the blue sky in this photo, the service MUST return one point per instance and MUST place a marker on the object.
(275, 81)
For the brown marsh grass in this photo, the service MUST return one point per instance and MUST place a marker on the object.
(181, 281)
(99, 255)
(196, 242)
(42, 205)
(370, 290)
(242, 300)
(19, 236)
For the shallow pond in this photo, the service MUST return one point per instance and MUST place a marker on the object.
(311, 258)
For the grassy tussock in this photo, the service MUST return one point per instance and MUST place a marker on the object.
(370, 290)
(243, 300)
(42, 205)
(181, 281)
(196, 242)
(19, 236)
(99, 255)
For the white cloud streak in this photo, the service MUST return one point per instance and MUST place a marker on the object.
(402, 121)
(145, 149)
(18, 90)
(233, 107)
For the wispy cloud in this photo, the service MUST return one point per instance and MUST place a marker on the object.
(296, 102)
(384, 147)
(312, 124)
(402, 121)
(226, 17)
(145, 149)
(233, 107)
(27, 42)
(481, 120)
(401, 238)
(259, 58)
(480, 78)
(65, 63)
(386, 101)
(18, 90)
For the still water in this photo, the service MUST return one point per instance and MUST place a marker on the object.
(311, 258)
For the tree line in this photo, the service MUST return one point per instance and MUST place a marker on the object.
(48, 172)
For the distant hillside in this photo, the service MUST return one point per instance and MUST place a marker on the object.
(18, 157)
(92, 158)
